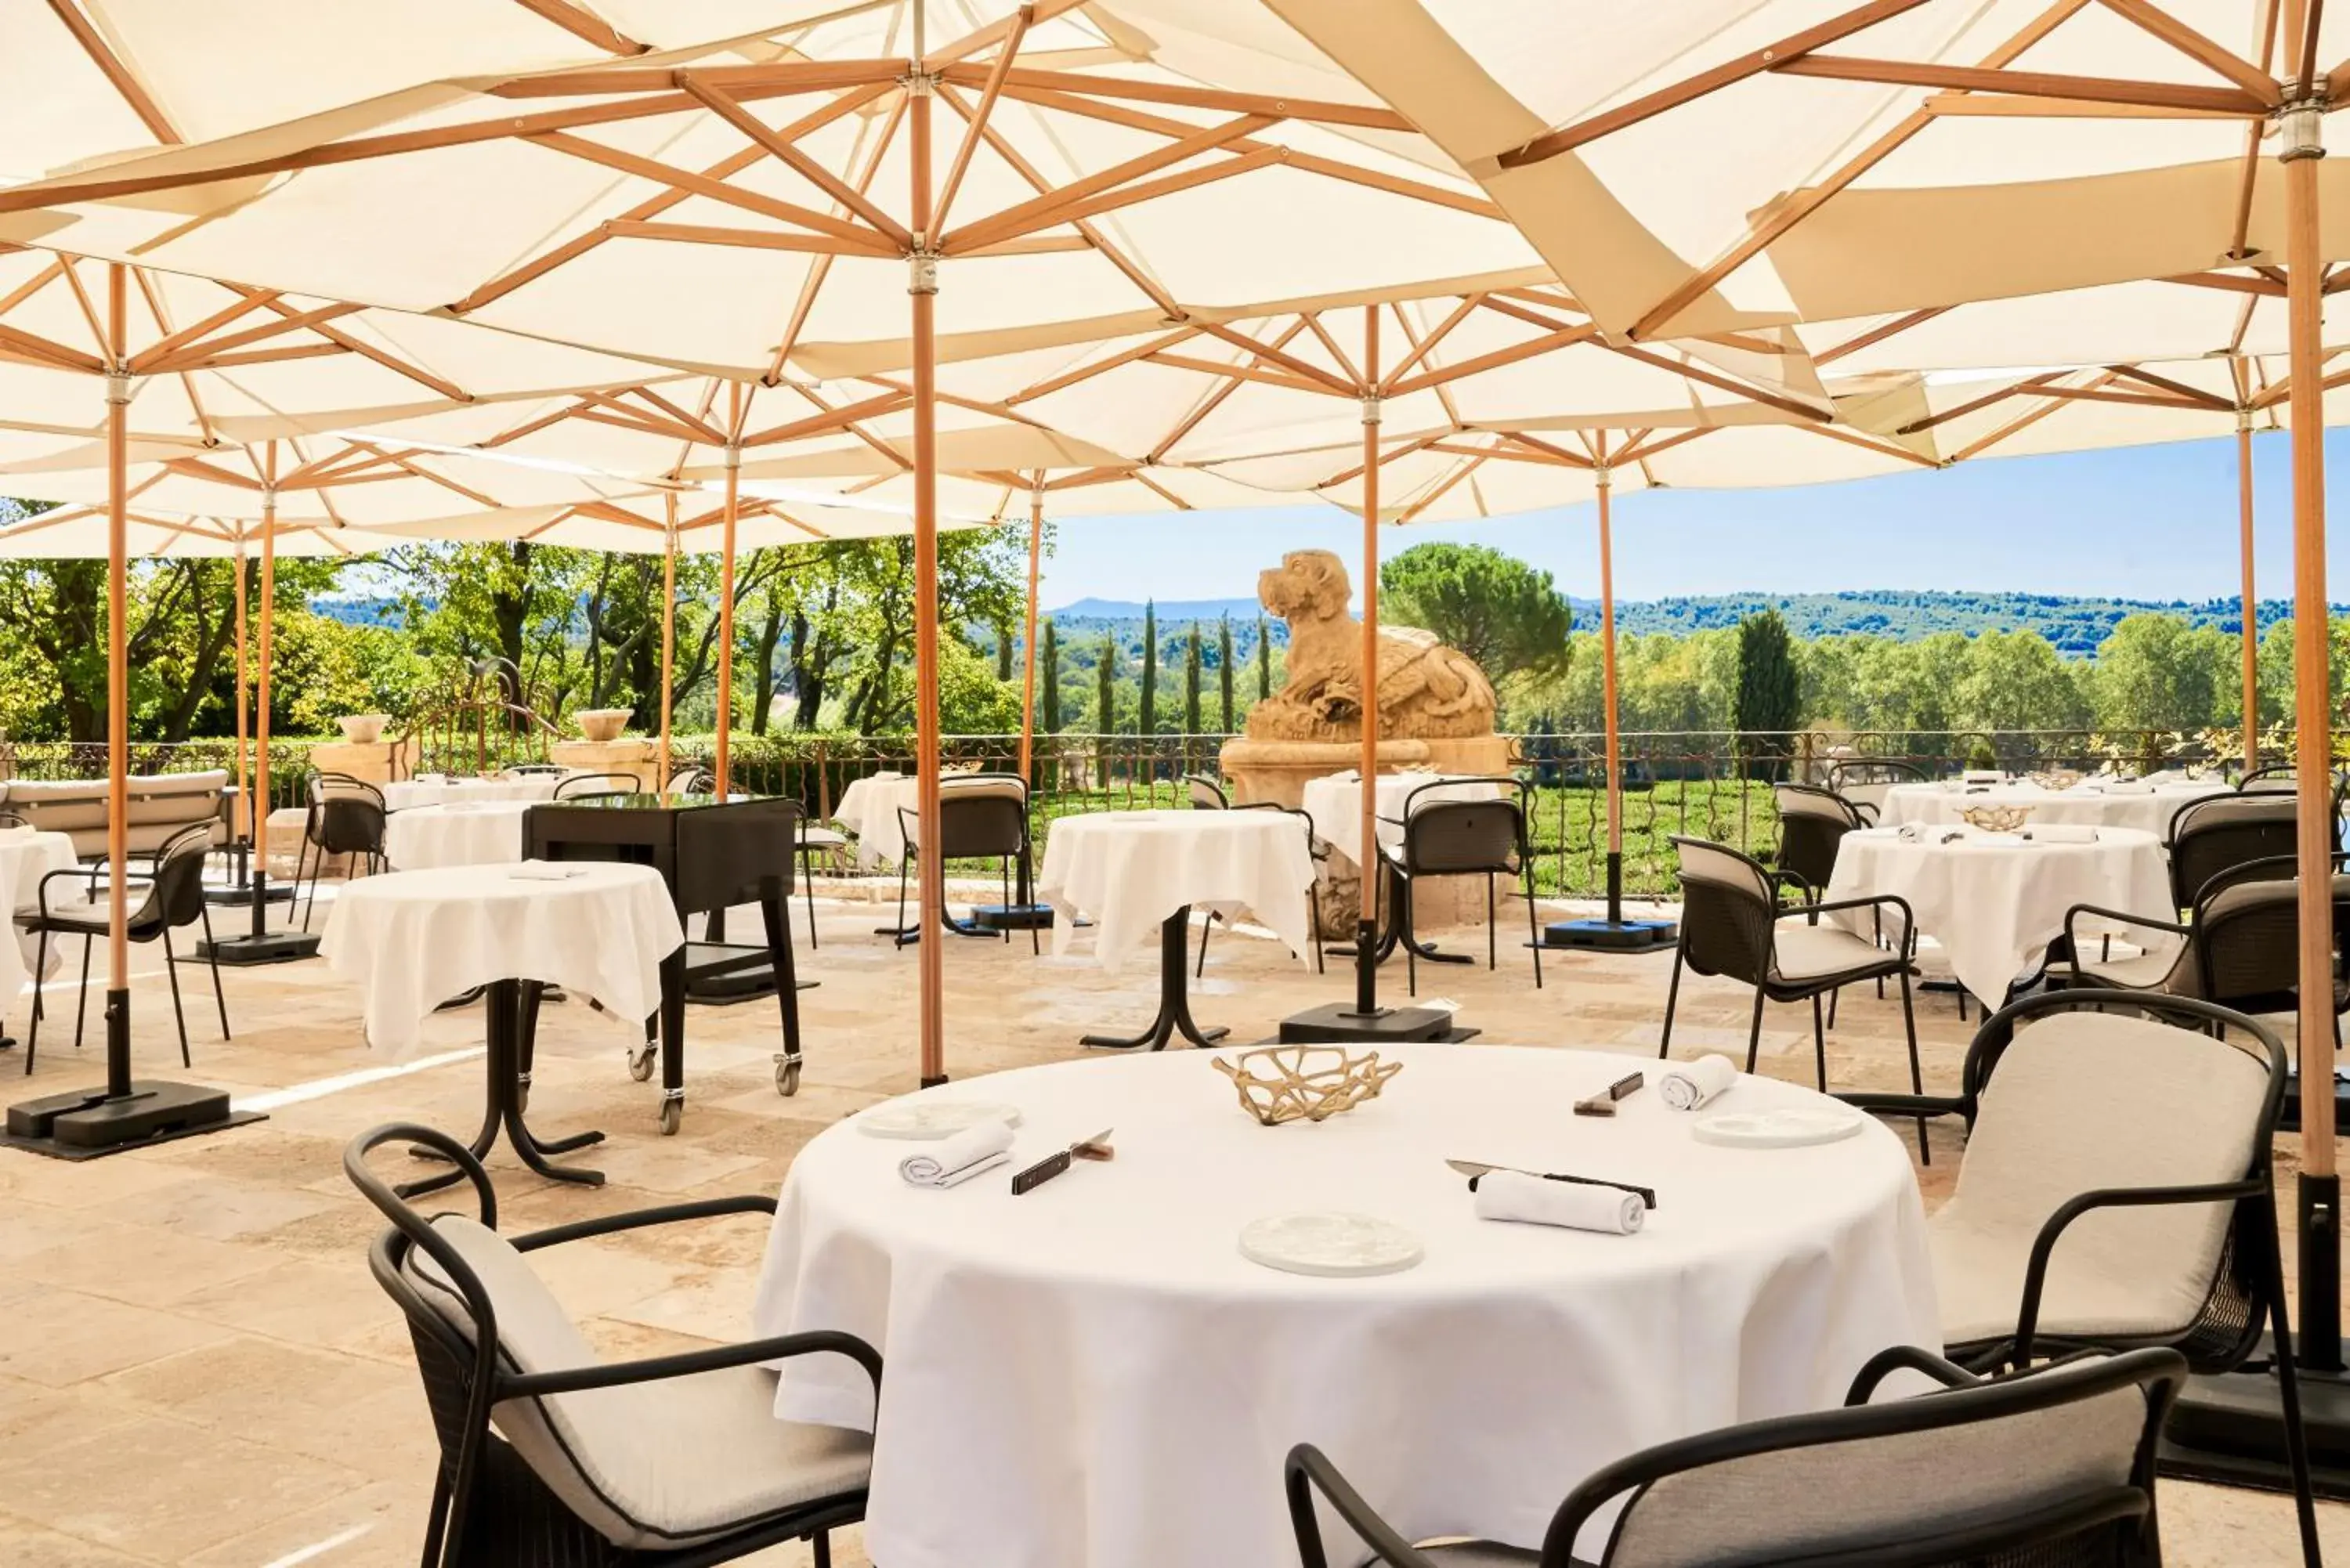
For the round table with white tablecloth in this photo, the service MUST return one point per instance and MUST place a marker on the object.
(25, 856)
(2149, 807)
(868, 808)
(457, 832)
(1092, 1376)
(1996, 900)
(1335, 804)
(407, 795)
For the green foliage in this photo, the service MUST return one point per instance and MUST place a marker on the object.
(1191, 725)
(1263, 661)
(1106, 687)
(1493, 606)
(1048, 696)
(1224, 672)
(1770, 691)
(1149, 712)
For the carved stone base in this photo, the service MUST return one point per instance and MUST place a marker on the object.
(633, 756)
(377, 761)
(1277, 771)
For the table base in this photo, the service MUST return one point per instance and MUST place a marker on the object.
(1174, 998)
(513, 1022)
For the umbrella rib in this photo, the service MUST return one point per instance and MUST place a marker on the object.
(781, 146)
(2196, 47)
(584, 25)
(1212, 401)
(813, 284)
(1426, 345)
(1403, 325)
(1046, 210)
(1879, 334)
(977, 124)
(686, 180)
(132, 91)
(196, 353)
(243, 306)
(1318, 110)
(162, 320)
(1313, 319)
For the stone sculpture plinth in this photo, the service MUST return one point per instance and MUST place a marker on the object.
(375, 762)
(631, 754)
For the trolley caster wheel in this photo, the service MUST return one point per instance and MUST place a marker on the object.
(640, 1062)
(787, 1075)
(673, 1117)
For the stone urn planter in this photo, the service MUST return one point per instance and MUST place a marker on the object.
(602, 723)
(363, 729)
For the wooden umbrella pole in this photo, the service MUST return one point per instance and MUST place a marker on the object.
(2252, 639)
(252, 824)
(264, 641)
(2301, 138)
(721, 785)
(1028, 642)
(118, 686)
(922, 288)
(1607, 698)
(1367, 926)
(669, 627)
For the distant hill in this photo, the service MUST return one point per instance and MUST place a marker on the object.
(2073, 626)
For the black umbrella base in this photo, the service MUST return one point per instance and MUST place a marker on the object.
(1339, 1023)
(2289, 1121)
(1012, 917)
(88, 1124)
(1611, 936)
(233, 896)
(2230, 1430)
(260, 947)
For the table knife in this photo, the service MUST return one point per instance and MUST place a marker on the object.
(1051, 1165)
(1473, 1170)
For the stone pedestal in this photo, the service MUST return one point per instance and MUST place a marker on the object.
(375, 762)
(1277, 771)
(632, 755)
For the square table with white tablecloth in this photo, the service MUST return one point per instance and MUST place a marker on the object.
(406, 794)
(455, 832)
(1335, 804)
(868, 808)
(1996, 900)
(1092, 1376)
(2093, 803)
(25, 856)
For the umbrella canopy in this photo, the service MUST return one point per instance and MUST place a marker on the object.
(79, 533)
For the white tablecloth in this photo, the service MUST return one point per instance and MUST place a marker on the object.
(1129, 870)
(2088, 804)
(868, 808)
(1995, 901)
(466, 833)
(1092, 1376)
(408, 793)
(411, 939)
(24, 859)
(1335, 803)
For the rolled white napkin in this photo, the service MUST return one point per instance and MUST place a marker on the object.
(1576, 1204)
(1689, 1085)
(2064, 832)
(959, 1159)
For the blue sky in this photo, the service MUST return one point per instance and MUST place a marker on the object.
(2155, 522)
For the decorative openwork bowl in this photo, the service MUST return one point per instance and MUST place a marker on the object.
(1997, 818)
(1281, 1084)
(602, 723)
(363, 729)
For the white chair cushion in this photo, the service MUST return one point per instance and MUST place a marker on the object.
(2170, 970)
(1802, 951)
(646, 1464)
(2083, 1101)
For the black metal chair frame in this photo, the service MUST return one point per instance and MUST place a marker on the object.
(489, 1511)
(595, 784)
(1856, 814)
(2188, 878)
(1900, 771)
(318, 832)
(816, 840)
(2226, 1334)
(2196, 931)
(1406, 864)
(1709, 936)
(1315, 850)
(908, 826)
(1965, 1398)
(174, 896)
(693, 779)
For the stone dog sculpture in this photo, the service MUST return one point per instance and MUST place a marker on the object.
(1425, 688)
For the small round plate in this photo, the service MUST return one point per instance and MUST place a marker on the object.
(922, 1118)
(1791, 1127)
(1333, 1246)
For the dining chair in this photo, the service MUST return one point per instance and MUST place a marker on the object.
(345, 817)
(817, 842)
(2116, 1192)
(1811, 825)
(2053, 1469)
(982, 816)
(173, 896)
(1207, 794)
(1445, 836)
(2277, 778)
(551, 1457)
(2216, 833)
(1734, 925)
(1863, 781)
(692, 779)
(2240, 945)
(597, 786)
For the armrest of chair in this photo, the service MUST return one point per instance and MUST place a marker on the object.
(2035, 1274)
(1862, 808)
(638, 1218)
(1893, 1105)
(1307, 1471)
(1908, 1358)
(1879, 901)
(653, 1369)
(2139, 922)
(88, 874)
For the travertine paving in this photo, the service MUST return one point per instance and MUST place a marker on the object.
(197, 1369)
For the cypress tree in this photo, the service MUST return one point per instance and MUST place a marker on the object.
(1003, 651)
(1149, 725)
(1191, 681)
(1224, 670)
(1048, 699)
(1106, 685)
(1769, 702)
(1263, 660)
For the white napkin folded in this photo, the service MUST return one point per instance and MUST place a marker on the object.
(1578, 1205)
(544, 871)
(2064, 832)
(959, 1159)
(1688, 1085)
(886, 773)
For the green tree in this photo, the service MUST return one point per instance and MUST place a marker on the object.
(1105, 686)
(1263, 660)
(1770, 692)
(1224, 670)
(1150, 712)
(1048, 696)
(1493, 606)
(2016, 681)
(2153, 673)
(1191, 665)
